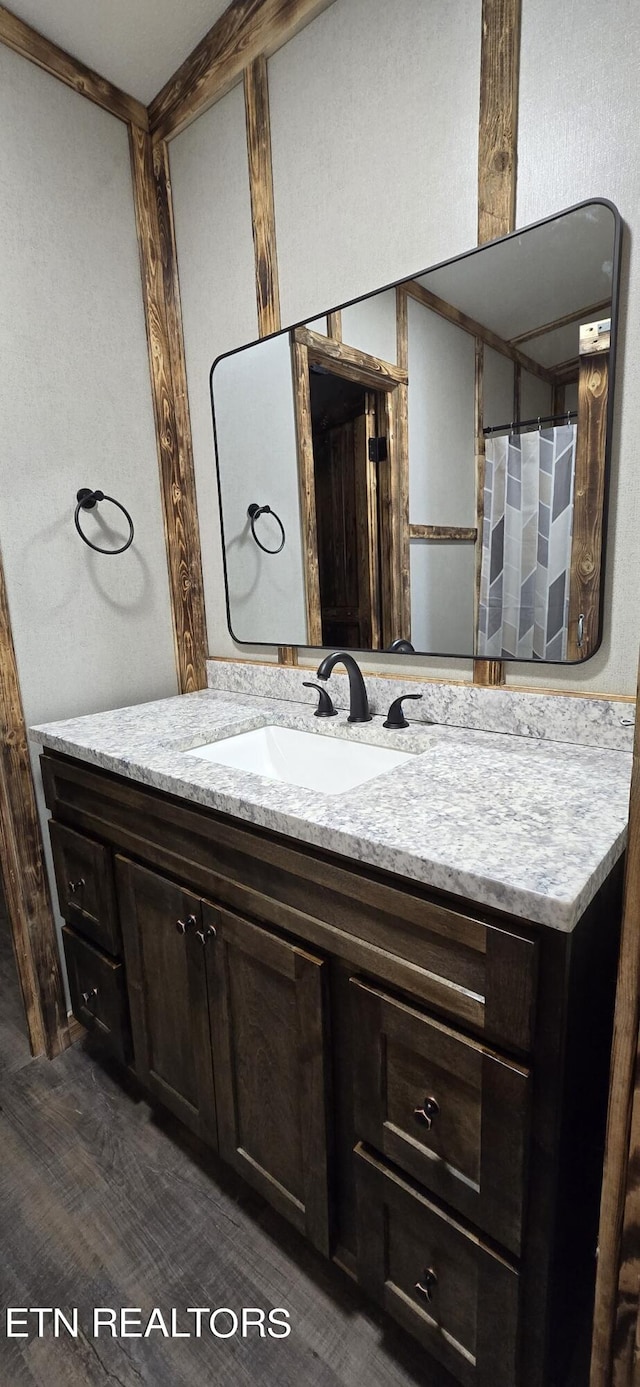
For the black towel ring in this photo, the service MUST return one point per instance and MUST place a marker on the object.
(87, 499)
(254, 512)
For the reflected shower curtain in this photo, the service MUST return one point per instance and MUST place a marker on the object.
(526, 544)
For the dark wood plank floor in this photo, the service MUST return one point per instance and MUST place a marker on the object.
(103, 1204)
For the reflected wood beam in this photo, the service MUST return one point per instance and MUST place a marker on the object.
(156, 241)
(247, 29)
(334, 325)
(350, 363)
(466, 534)
(588, 504)
(22, 864)
(22, 39)
(497, 164)
(475, 329)
(306, 474)
(401, 498)
(581, 315)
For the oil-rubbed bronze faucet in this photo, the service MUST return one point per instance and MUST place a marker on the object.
(359, 703)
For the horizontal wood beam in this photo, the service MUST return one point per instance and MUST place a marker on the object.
(465, 534)
(475, 329)
(247, 29)
(348, 362)
(20, 37)
(580, 315)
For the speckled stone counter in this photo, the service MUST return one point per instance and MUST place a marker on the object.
(512, 822)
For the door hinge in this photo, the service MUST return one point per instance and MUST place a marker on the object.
(378, 449)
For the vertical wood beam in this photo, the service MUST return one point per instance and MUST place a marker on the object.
(263, 219)
(617, 1282)
(22, 864)
(156, 240)
(497, 158)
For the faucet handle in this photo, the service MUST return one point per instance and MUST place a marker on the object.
(325, 708)
(395, 717)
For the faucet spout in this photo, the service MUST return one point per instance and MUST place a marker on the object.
(358, 701)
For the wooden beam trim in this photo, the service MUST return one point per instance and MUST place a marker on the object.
(258, 130)
(22, 39)
(306, 474)
(475, 329)
(334, 325)
(245, 30)
(465, 534)
(263, 220)
(624, 1069)
(582, 315)
(22, 864)
(349, 362)
(588, 504)
(498, 126)
(497, 163)
(154, 220)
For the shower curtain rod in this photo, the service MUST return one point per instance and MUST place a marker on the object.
(517, 425)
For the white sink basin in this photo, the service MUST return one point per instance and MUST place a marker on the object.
(329, 765)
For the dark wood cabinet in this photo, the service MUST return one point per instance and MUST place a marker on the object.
(454, 1293)
(449, 1111)
(267, 1006)
(418, 1084)
(167, 982)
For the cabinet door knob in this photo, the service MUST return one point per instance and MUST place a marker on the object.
(427, 1285)
(430, 1109)
(183, 925)
(204, 934)
(74, 886)
(89, 996)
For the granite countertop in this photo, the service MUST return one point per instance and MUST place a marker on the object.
(511, 822)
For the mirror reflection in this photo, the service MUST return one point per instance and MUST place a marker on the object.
(425, 468)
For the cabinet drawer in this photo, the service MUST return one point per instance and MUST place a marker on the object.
(446, 1109)
(453, 1294)
(98, 994)
(84, 878)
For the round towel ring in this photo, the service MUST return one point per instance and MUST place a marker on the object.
(254, 511)
(87, 499)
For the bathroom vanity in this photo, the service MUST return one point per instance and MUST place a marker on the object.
(407, 1055)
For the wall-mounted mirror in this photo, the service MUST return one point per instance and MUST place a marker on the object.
(428, 464)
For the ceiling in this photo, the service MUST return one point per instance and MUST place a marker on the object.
(136, 44)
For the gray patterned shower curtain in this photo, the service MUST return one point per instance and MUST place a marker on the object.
(526, 544)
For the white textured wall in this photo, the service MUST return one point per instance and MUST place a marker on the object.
(256, 433)
(567, 152)
(90, 632)
(374, 125)
(212, 208)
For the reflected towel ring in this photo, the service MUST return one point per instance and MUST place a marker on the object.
(87, 499)
(254, 511)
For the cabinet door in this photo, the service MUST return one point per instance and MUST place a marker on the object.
(266, 999)
(167, 982)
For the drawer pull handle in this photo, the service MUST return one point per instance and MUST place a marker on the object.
(75, 886)
(427, 1286)
(205, 934)
(89, 996)
(183, 925)
(430, 1109)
